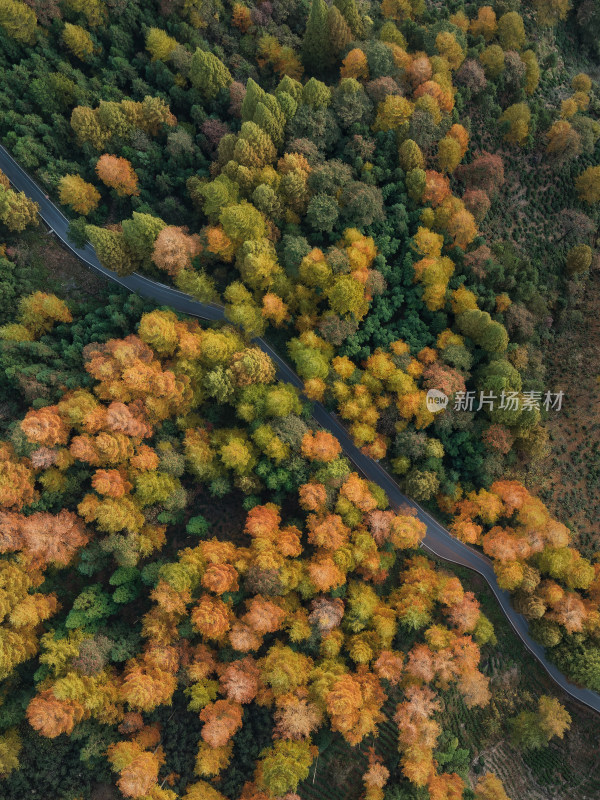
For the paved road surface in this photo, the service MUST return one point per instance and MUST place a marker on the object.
(437, 541)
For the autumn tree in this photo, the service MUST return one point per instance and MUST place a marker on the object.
(492, 60)
(18, 20)
(489, 787)
(83, 197)
(321, 446)
(355, 65)
(472, 76)
(515, 121)
(252, 610)
(485, 23)
(87, 127)
(410, 155)
(477, 202)
(437, 188)
(340, 34)
(118, 174)
(449, 47)
(94, 11)
(47, 538)
(284, 765)
(10, 748)
(17, 211)
(449, 154)
(532, 730)
(579, 259)
(137, 767)
(78, 41)
(588, 185)
(51, 716)
(40, 311)
(563, 140)
(376, 777)
(417, 733)
(354, 705)
(159, 44)
(532, 71)
(221, 720)
(174, 249)
(511, 31)
(393, 112)
(241, 17)
(550, 12)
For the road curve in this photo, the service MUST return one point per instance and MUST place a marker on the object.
(438, 541)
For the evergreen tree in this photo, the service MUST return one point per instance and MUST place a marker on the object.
(140, 233)
(209, 74)
(316, 52)
(340, 34)
(349, 11)
(112, 249)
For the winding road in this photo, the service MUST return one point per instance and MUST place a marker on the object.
(437, 541)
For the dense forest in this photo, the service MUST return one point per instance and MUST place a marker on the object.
(201, 595)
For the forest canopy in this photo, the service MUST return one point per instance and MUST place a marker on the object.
(202, 595)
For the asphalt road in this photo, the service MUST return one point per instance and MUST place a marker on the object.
(438, 541)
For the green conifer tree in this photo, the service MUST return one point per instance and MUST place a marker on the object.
(316, 52)
(209, 74)
(350, 13)
(140, 233)
(112, 249)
